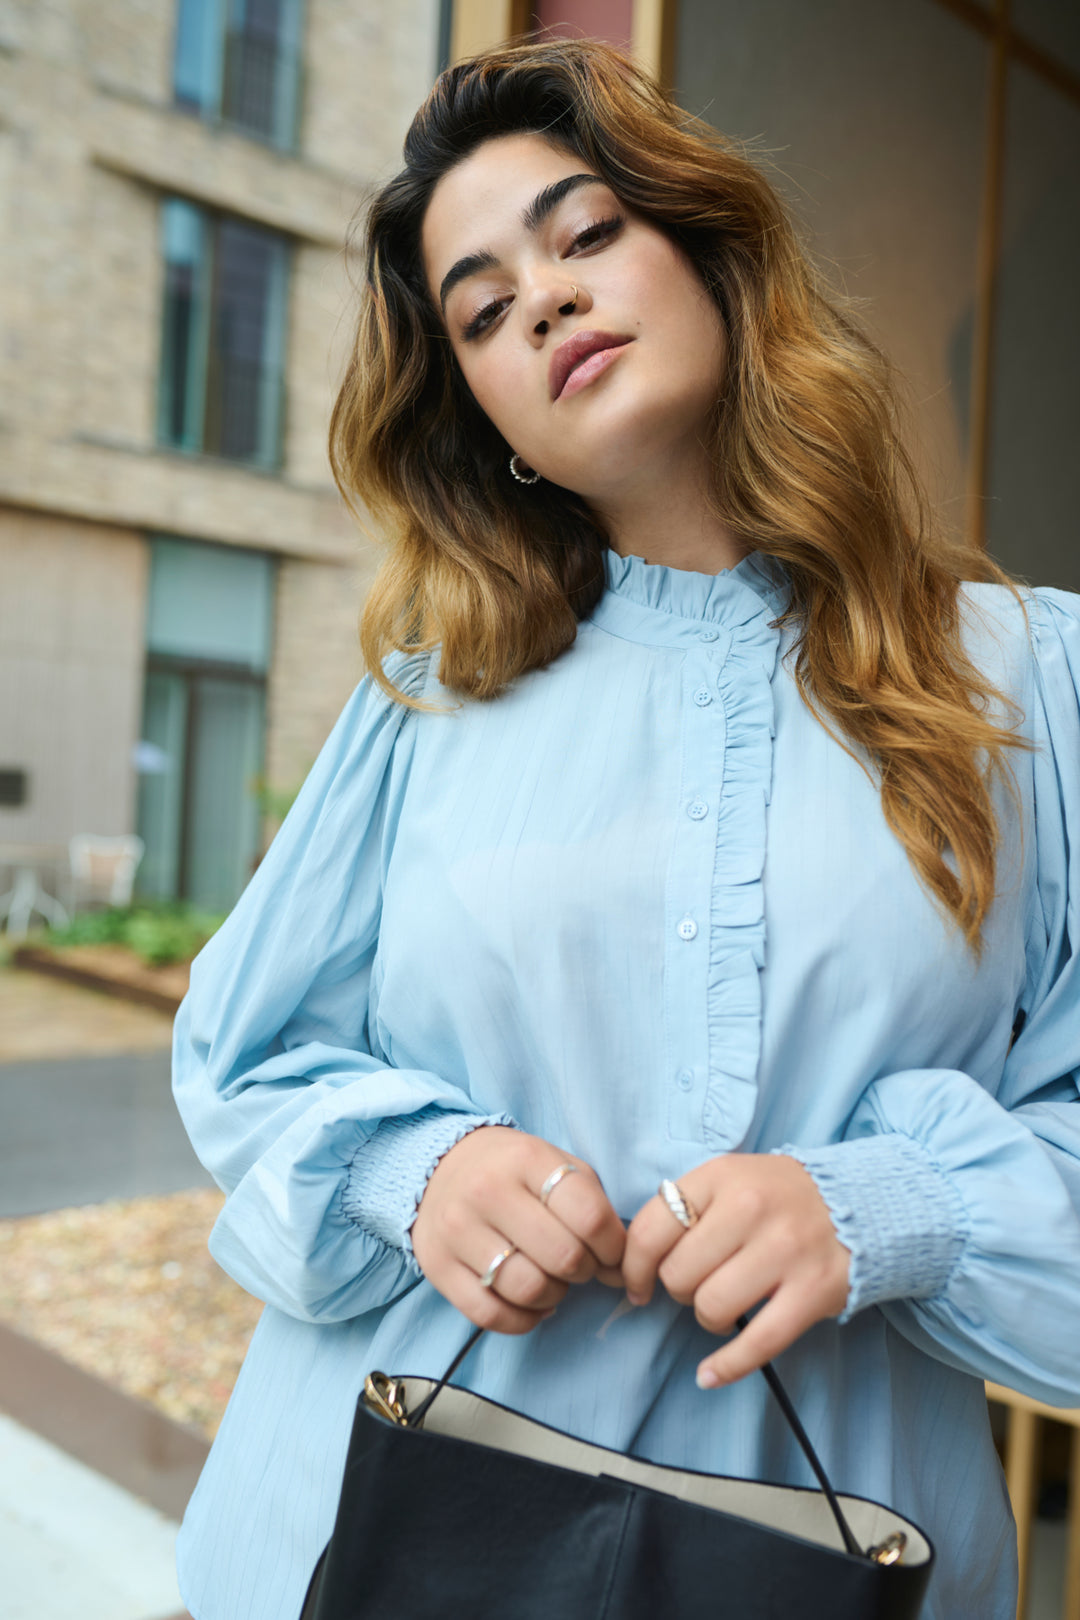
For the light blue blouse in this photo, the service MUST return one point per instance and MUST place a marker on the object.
(644, 906)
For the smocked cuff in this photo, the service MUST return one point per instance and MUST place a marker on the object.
(898, 1213)
(389, 1174)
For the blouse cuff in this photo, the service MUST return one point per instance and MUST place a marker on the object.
(894, 1209)
(389, 1174)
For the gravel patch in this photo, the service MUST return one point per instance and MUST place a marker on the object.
(128, 1291)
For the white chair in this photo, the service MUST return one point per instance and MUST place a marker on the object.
(103, 869)
(25, 897)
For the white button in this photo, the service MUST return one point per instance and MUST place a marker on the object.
(687, 929)
(708, 635)
(703, 697)
(685, 1080)
(697, 809)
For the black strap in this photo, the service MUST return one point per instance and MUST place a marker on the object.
(783, 1400)
(415, 1418)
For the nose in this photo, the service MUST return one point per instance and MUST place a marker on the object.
(552, 294)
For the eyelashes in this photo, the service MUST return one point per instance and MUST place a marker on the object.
(599, 230)
(481, 321)
(593, 235)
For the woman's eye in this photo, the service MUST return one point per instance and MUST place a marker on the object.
(482, 320)
(598, 231)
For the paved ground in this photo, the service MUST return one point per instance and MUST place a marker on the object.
(86, 1111)
(85, 1114)
(45, 1018)
(80, 1130)
(74, 1546)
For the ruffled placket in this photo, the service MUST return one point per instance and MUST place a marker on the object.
(721, 627)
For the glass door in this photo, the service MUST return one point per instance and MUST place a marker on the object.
(222, 824)
(208, 634)
(161, 782)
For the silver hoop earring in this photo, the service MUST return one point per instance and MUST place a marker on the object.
(533, 478)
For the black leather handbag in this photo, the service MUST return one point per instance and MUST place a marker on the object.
(455, 1508)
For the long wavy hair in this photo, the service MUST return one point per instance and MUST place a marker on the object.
(807, 451)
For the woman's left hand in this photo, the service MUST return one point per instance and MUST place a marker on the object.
(763, 1232)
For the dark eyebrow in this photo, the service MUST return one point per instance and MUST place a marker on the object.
(541, 208)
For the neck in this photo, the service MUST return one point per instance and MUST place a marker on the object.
(671, 524)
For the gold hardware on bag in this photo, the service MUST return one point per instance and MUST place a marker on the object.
(891, 1550)
(387, 1397)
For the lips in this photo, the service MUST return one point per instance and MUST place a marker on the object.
(569, 355)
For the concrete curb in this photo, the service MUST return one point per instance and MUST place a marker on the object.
(127, 1440)
(37, 960)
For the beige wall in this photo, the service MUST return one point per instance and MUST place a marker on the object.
(318, 607)
(871, 124)
(72, 655)
(72, 607)
(368, 67)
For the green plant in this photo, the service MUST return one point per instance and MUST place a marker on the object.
(104, 927)
(170, 931)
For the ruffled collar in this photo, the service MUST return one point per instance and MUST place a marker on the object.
(688, 595)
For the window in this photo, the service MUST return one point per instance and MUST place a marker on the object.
(223, 334)
(239, 61)
(208, 646)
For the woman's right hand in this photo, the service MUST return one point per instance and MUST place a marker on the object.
(484, 1195)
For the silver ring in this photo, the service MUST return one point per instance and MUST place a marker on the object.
(553, 1180)
(488, 1279)
(679, 1205)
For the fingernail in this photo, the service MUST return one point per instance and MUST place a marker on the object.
(545, 1314)
(707, 1379)
(637, 1299)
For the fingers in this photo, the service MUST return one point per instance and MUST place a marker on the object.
(549, 1256)
(571, 1237)
(763, 1232)
(520, 1280)
(651, 1235)
(580, 1204)
(520, 1294)
(655, 1233)
(484, 1306)
(539, 1233)
(778, 1324)
(483, 1196)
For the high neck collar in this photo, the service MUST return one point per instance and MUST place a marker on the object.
(689, 595)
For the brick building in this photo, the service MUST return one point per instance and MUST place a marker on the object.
(179, 583)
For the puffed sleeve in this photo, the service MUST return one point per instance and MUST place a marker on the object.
(321, 1147)
(961, 1208)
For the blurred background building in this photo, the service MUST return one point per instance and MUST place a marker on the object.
(179, 585)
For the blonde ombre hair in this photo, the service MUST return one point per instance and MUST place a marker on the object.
(809, 462)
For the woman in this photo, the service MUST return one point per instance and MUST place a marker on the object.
(694, 824)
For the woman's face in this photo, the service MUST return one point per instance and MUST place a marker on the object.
(509, 232)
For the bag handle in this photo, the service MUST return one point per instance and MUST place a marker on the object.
(783, 1400)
